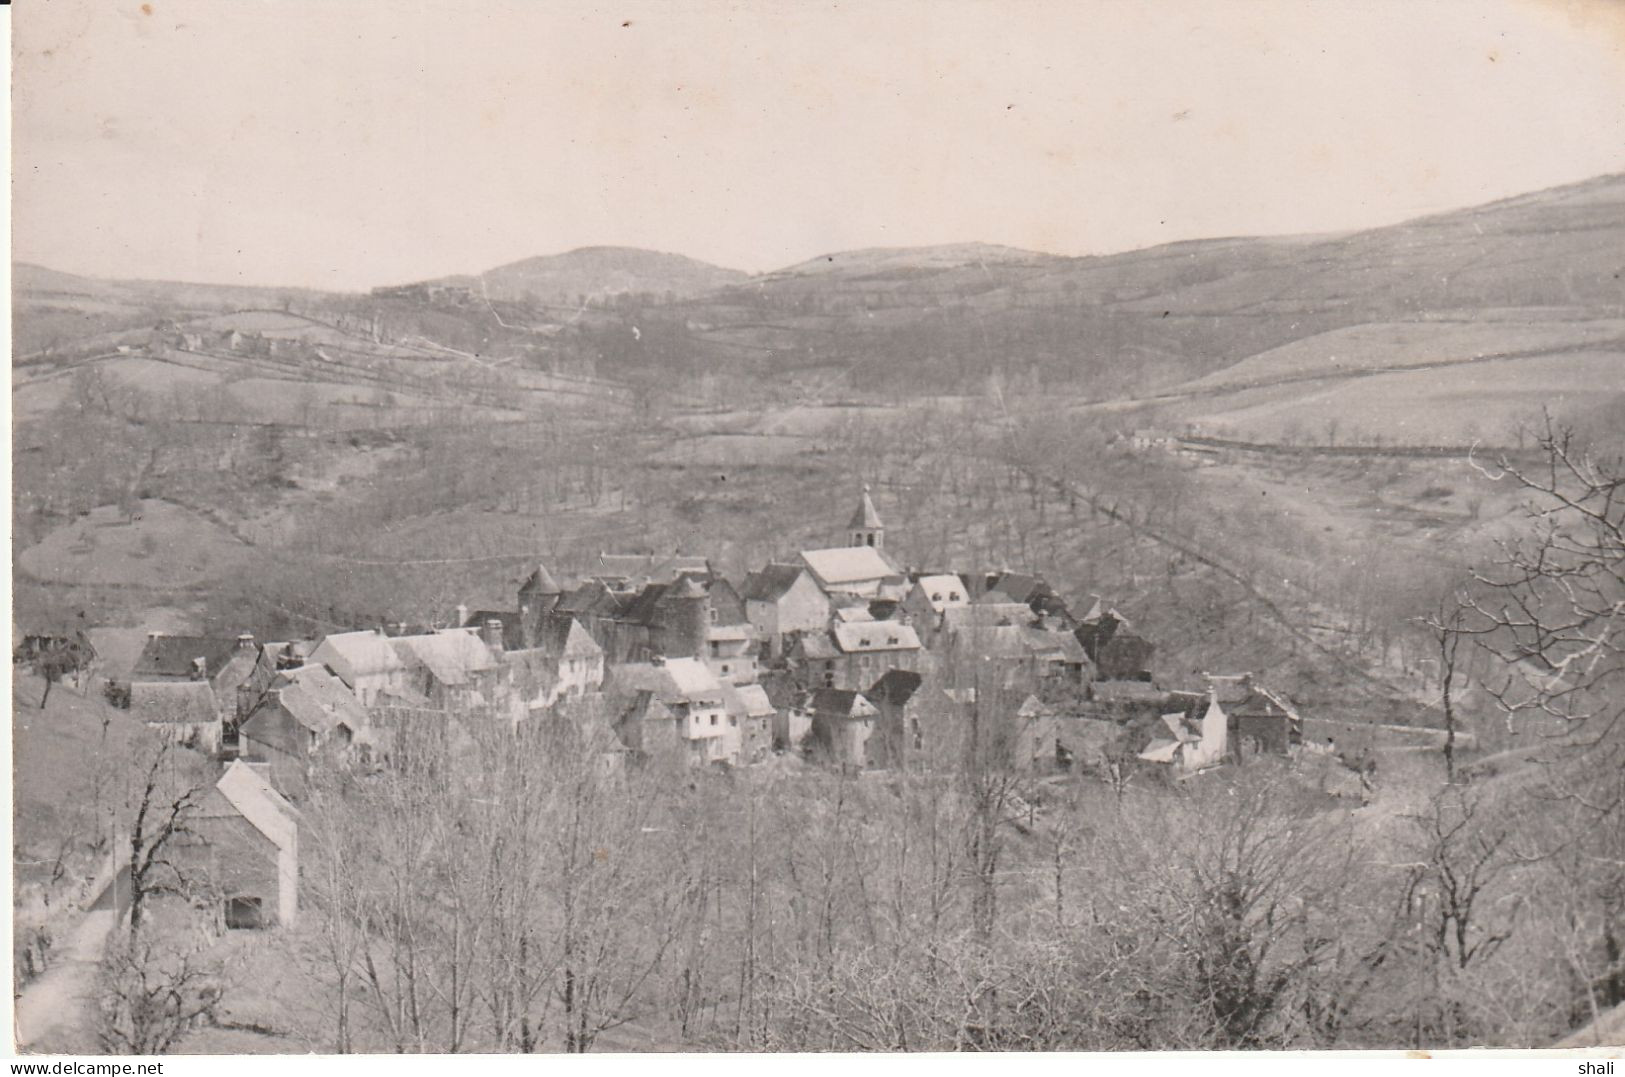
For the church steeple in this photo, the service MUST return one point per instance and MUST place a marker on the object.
(865, 528)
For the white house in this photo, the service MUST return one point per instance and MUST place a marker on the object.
(365, 661)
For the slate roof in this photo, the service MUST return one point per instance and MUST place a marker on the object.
(746, 700)
(591, 597)
(1120, 691)
(841, 703)
(943, 591)
(542, 582)
(866, 637)
(848, 565)
(985, 615)
(244, 791)
(653, 568)
(512, 628)
(316, 699)
(176, 702)
(866, 518)
(451, 657)
(1019, 587)
(565, 638)
(359, 653)
(772, 583)
(816, 646)
(171, 657)
(895, 687)
(676, 680)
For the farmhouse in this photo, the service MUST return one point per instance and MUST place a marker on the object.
(842, 723)
(245, 844)
(782, 601)
(691, 699)
(185, 712)
(307, 714)
(366, 662)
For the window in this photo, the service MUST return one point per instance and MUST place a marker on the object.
(733, 720)
(868, 540)
(713, 719)
(724, 667)
(244, 912)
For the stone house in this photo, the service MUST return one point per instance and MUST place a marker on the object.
(244, 846)
(307, 717)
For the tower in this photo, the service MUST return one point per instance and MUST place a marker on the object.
(866, 528)
(685, 620)
(537, 597)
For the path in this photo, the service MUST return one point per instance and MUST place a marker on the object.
(56, 1014)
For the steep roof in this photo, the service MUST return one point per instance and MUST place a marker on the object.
(676, 680)
(815, 646)
(590, 597)
(895, 687)
(512, 627)
(316, 699)
(754, 697)
(865, 637)
(654, 568)
(1124, 691)
(1019, 586)
(985, 615)
(359, 653)
(452, 657)
(746, 700)
(848, 564)
(174, 702)
(171, 657)
(772, 583)
(542, 582)
(866, 518)
(841, 703)
(565, 638)
(943, 591)
(644, 609)
(245, 791)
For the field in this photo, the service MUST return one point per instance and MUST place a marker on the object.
(1486, 400)
(1385, 346)
(164, 547)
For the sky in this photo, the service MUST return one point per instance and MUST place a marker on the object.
(350, 143)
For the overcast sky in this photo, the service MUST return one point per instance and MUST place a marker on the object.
(349, 143)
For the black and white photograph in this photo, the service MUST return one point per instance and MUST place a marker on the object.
(784, 527)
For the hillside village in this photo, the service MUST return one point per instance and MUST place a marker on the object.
(835, 657)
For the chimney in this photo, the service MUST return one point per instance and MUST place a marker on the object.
(200, 667)
(462, 615)
(154, 635)
(245, 642)
(657, 660)
(491, 633)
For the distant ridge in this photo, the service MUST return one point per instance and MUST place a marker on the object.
(600, 271)
(939, 256)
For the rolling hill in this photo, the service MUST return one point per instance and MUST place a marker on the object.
(602, 271)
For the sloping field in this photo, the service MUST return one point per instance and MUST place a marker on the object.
(1397, 344)
(166, 547)
(1439, 406)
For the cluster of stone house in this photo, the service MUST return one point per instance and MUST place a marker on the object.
(837, 655)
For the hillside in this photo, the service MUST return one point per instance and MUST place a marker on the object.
(904, 259)
(944, 319)
(602, 271)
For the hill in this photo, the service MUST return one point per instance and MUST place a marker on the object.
(601, 271)
(945, 319)
(891, 259)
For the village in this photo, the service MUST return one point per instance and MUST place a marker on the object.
(837, 659)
